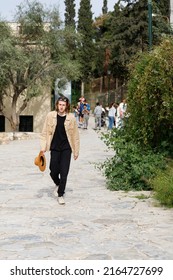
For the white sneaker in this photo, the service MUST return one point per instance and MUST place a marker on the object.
(61, 200)
(55, 192)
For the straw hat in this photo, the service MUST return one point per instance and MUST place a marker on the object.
(40, 161)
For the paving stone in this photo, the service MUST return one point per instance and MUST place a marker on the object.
(95, 223)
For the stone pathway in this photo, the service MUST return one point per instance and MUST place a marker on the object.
(95, 223)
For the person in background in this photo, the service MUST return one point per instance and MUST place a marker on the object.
(103, 117)
(76, 113)
(80, 106)
(111, 115)
(121, 111)
(60, 135)
(116, 107)
(123, 108)
(88, 105)
(97, 115)
(82, 98)
(85, 113)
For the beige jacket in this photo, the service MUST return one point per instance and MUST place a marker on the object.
(70, 128)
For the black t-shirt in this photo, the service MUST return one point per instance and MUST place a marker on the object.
(60, 140)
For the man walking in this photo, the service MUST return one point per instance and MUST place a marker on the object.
(97, 115)
(60, 135)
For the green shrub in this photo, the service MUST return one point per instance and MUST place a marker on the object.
(150, 97)
(163, 186)
(146, 139)
(132, 166)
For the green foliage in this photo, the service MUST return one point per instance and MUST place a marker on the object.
(86, 45)
(126, 32)
(132, 166)
(34, 58)
(31, 18)
(163, 6)
(150, 98)
(163, 186)
(105, 7)
(70, 13)
(142, 196)
(76, 92)
(5, 31)
(6, 53)
(143, 145)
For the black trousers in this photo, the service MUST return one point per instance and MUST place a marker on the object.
(59, 168)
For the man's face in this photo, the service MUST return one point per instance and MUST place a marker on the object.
(61, 106)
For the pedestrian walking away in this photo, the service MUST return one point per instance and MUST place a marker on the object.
(97, 115)
(111, 115)
(81, 106)
(60, 136)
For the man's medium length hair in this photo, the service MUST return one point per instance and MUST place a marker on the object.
(64, 99)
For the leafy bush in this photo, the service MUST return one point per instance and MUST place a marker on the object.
(132, 166)
(163, 186)
(150, 97)
(141, 147)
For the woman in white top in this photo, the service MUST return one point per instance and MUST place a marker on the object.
(111, 115)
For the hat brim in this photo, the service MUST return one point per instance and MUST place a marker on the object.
(40, 161)
(42, 165)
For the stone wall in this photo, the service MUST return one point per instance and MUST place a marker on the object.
(6, 137)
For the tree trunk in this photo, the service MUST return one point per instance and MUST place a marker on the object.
(116, 83)
(82, 89)
(14, 120)
(101, 84)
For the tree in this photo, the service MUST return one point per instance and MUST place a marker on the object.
(86, 47)
(70, 13)
(163, 7)
(102, 52)
(150, 98)
(127, 33)
(145, 141)
(70, 26)
(105, 7)
(32, 59)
